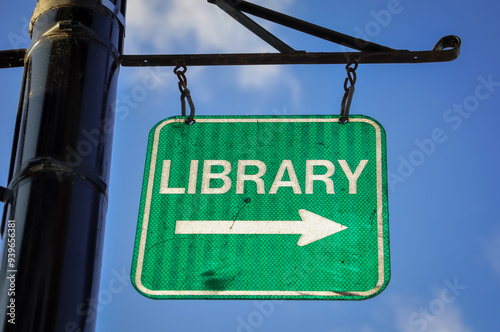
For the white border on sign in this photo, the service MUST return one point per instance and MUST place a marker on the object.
(380, 218)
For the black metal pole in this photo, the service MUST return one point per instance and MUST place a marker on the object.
(52, 248)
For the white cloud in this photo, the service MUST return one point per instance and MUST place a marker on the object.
(196, 26)
(195, 23)
(413, 315)
(450, 321)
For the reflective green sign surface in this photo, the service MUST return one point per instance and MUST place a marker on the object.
(264, 207)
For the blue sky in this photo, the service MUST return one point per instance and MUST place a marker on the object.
(443, 201)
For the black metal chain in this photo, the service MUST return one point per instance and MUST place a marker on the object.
(180, 71)
(349, 90)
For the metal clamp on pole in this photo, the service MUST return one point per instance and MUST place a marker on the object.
(4, 194)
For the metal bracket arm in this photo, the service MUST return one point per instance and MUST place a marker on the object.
(447, 48)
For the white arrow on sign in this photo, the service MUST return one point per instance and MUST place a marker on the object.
(312, 227)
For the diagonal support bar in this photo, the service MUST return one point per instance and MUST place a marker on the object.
(300, 25)
(253, 26)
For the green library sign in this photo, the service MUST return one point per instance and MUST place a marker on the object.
(290, 207)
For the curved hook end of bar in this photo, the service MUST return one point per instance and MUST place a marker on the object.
(448, 42)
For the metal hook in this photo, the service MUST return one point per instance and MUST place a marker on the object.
(186, 94)
(180, 71)
(349, 90)
(346, 104)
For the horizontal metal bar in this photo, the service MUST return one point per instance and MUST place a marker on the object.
(306, 27)
(12, 58)
(447, 49)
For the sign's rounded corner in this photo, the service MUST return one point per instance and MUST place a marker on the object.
(164, 122)
(377, 290)
(140, 288)
(375, 123)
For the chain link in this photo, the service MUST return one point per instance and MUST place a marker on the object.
(180, 71)
(349, 90)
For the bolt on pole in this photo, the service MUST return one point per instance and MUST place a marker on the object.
(53, 233)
